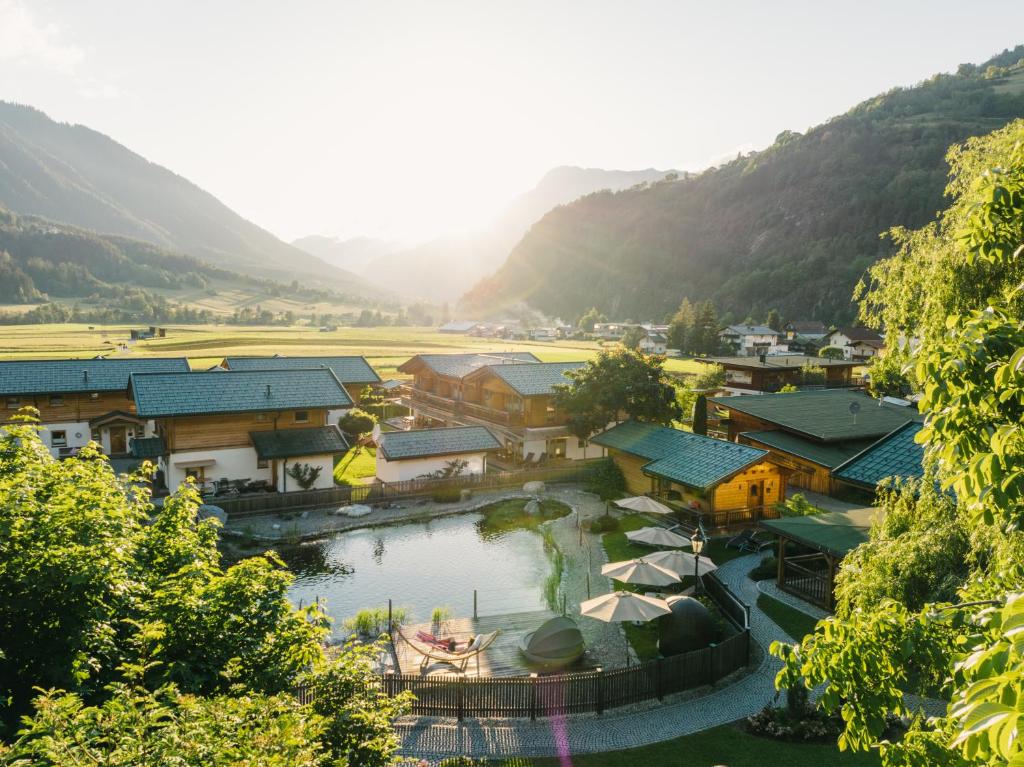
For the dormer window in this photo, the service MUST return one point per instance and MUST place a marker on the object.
(13, 403)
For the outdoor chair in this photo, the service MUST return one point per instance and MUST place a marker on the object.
(459, 658)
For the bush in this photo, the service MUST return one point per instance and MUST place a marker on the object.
(446, 494)
(606, 480)
(766, 570)
(604, 524)
(805, 725)
(355, 423)
(797, 506)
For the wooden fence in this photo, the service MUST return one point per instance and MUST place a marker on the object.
(266, 503)
(732, 607)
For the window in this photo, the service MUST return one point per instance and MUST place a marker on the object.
(262, 463)
(581, 444)
(56, 400)
(261, 417)
(94, 395)
(301, 416)
(58, 439)
(13, 403)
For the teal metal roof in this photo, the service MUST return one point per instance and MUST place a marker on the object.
(289, 443)
(425, 443)
(531, 379)
(827, 454)
(895, 455)
(680, 456)
(19, 377)
(461, 365)
(824, 414)
(147, 447)
(163, 395)
(834, 532)
(348, 369)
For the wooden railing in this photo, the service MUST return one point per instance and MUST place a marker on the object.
(412, 396)
(812, 584)
(718, 520)
(731, 605)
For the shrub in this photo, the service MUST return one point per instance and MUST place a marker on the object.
(606, 480)
(766, 570)
(604, 524)
(797, 506)
(355, 423)
(305, 474)
(446, 494)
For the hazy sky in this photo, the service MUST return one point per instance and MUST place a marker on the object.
(406, 119)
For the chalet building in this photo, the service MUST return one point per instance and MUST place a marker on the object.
(859, 344)
(749, 340)
(804, 337)
(509, 394)
(811, 433)
(420, 453)
(81, 400)
(255, 425)
(354, 372)
(722, 481)
(653, 343)
(769, 373)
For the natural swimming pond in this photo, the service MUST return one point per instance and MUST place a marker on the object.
(421, 565)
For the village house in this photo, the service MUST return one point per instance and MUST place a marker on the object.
(811, 432)
(859, 344)
(354, 372)
(256, 426)
(428, 453)
(750, 340)
(81, 400)
(725, 483)
(769, 373)
(653, 343)
(510, 394)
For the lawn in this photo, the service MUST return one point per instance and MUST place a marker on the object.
(794, 622)
(728, 746)
(357, 467)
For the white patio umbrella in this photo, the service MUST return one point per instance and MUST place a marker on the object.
(658, 536)
(681, 562)
(639, 571)
(622, 606)
(642, 503)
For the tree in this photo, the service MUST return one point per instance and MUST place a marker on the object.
(890, 376)
(774, 320)
(704, 338)
(615, 384)
(700, 415)
(681, 326)
(589, 318)
(832, 353)
(305, 474)
(356, 423)
(633, 336)
(812, 375)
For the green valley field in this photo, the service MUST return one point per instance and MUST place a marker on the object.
(205, 345)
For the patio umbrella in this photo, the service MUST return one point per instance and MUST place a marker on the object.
(643, 504)
(681, 562)
(639, 571)
(621, 606)
(658, 536)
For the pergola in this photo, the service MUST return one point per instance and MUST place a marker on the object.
(823, 540)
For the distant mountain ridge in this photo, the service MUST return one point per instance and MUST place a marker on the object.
(354, 254)
(70, 173)
(793, 227)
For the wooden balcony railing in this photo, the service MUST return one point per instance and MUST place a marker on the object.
(412, 396)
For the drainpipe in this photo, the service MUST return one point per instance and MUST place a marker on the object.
(284, 476)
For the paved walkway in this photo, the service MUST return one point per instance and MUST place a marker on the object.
(434, 738)
(771, 588)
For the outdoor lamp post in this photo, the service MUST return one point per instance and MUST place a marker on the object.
(697, 541)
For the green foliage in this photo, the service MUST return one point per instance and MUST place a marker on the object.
(633, 336)
(890, 376)
(774, 320)
(681, 326)
(700, 414)
(788, 389)
(797, 506)
(617, 383)
(812, 375)
(356, 423)
(590, 318)
(450, 470)
(767, 569)
(605, 480)
(604, 524)
(831, 353)
(372, 622)
(305, 474)
(446, 494)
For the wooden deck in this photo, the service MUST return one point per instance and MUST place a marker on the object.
(501, 659)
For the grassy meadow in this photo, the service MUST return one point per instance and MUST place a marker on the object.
(205, 345)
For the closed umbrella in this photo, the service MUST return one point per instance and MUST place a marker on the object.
(644, 504)
(658, 536)
(639, 571)
(681, 562)
(621, 606)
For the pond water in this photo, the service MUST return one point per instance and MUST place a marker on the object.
(422, 565)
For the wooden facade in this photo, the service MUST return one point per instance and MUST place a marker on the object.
(201, 432)
(71, 407)
(804, 474)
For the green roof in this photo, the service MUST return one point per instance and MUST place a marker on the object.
(164, 395)
(834, 532)
(895, 455)
(531, 379)
(348, 369)
(289, 443)
(147, 447)
(94, 375)
(778, 362)
(461, 365)
(425, 443)
(680, 456)
(827, 454)
(825, 414)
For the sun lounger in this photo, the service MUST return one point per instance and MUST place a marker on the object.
(459, 658)
(749, 540)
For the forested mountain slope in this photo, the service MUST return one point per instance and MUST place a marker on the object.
(792, 227)
(72, 174)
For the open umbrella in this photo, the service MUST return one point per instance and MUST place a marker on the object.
(681, 562)
(621, 606)
(658, 536)
(639, 571)
(642, 503)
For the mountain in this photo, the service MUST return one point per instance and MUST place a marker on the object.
(354, 254)
(72, 174)
(444, 268)
(793, 227)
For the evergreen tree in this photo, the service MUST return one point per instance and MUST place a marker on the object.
(681, 326)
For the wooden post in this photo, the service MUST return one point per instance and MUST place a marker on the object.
(659, 682)
(461, 687)
(780, 578)
(599, 678)
(533, 696)
(474, 604)
(390, 624)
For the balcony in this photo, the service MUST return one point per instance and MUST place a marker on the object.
(411, 397)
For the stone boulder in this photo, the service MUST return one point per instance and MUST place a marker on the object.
(533, 487)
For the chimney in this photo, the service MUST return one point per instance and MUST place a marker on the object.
(268, 391)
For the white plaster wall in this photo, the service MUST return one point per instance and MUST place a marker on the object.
(399, 471)
(71, 429)
(232, 463)
(326, 478)
(575, 453)
(535, 446)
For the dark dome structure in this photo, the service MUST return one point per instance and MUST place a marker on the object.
(556, 644)
(689, 627)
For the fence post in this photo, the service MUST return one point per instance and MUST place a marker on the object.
(474, 605)
(390, 625)
(533, 697)
(460, 686)
(599, 703)
(659, 683)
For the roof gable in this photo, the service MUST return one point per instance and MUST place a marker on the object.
(680, 456)
(824, 415)
(426, 443)
(531, 379)
(461, 365)
(827, 454)
(350, 369)
(164, 395)
(66, 376)
(895, 455)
